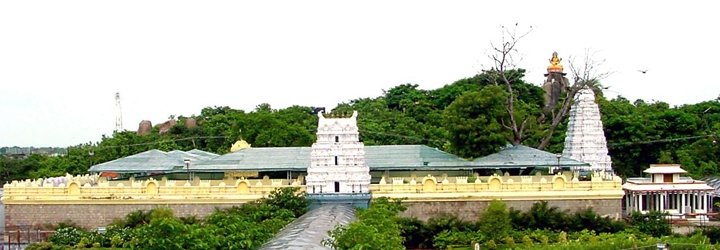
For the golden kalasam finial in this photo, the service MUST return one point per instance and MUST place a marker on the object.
(555, 65)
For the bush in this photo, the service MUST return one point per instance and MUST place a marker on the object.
(376, 228)
(288, 198)
(495, 221)
(42, 246)
(421, 235)
(652, 223)
(133, 219)
(713, 233)
(445, 239)
(67, 236)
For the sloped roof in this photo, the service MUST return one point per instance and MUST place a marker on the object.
(664, 169)
(266, 159)
(151, 160)
(411, 157)
(386, 157)
(191, 156)
(714, 182)
(524, 156)
(201, 153)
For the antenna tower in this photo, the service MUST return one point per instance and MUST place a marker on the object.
(118, 113)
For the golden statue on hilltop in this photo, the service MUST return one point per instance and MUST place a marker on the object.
(555, 85)
(555, 65)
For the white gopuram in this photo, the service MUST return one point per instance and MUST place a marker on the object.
(337, 158)
(585, 138)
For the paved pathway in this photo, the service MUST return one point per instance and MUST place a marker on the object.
(308, 231)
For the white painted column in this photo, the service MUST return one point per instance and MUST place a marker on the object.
(682, 204)
(710, 203)
(628, 197)
(661, 203)
(640, 203)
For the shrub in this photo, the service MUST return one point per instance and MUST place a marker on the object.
(288, 198)
(490, 244)
(376, 228)
(42, 246)
(495, 221)
(133, 219)
(116, 241)
(562, 237)
(652, 223)
(446, 239)
(67, 236)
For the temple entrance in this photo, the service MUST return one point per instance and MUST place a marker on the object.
(337, 187)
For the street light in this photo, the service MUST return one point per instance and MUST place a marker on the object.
(187, 166)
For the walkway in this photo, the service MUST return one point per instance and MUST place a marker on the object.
(308, 231)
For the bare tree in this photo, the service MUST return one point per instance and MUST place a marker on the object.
(585, 74)
(504, 59)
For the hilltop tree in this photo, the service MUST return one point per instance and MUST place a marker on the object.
(473, 122)
(526, 119)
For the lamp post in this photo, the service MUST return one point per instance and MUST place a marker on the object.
(187, 166)
(558, 156)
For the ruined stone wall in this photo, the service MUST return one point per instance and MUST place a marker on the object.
(92, 215)
(470, 210)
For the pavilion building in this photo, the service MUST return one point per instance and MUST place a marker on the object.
(666, 191)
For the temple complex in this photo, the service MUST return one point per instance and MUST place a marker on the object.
(667, 191)
(585, 138)
(339, 169)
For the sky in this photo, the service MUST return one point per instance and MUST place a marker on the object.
(61, 62)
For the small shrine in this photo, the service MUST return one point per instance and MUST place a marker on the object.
(667, 191)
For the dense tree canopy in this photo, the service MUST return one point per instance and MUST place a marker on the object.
(465, 118)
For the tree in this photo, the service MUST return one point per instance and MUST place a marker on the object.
(376, 228)
(503, 63)
(473, 122)
(519, 119)
(652, 223)
(495, 222)
(584, 75)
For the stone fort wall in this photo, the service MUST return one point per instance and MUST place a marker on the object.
(94, 203)
(471, 210)
(92, 215)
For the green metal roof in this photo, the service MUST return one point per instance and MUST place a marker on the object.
(523, 156)
(151, 161)
(387, 157)
(148, 161)
(258, 159)
(412, 157)
(205, 154)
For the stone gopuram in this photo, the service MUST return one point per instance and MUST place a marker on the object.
(585, 139)
(337, 170)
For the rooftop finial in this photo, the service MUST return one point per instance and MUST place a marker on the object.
(555, 65)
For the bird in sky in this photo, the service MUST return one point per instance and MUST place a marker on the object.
(643, 71)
